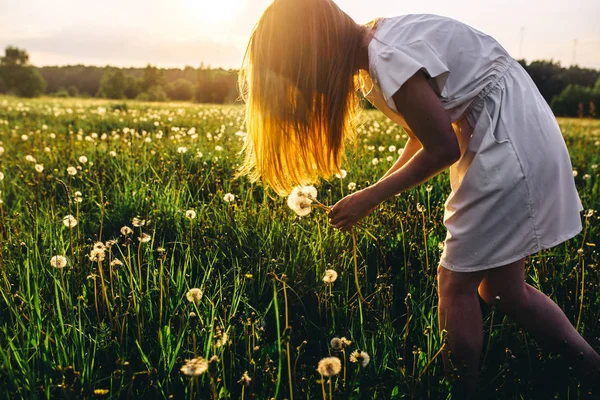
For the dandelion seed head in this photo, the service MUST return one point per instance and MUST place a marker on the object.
(361, 357)
(195, 367)
(1, 176)
(72, 171)
(125, 231)
(191, 214)
(245, 379)
(330, 276)
(575, 173)
(39, 167)
(145, 238)
(229, 197)
(83, 159)
(329, 366)
(59, 262)
(138, 222)
(345, 342)
(97, 255)
(352, 186)
(29, 158)
(342, 174)
(194, 295)
(336, 343)
(116, 263)
(421, 208)
(69, 221)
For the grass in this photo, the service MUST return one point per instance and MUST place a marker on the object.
(97, 328)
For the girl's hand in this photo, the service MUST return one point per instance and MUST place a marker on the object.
(351, 209)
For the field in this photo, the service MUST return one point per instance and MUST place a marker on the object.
(112, 212)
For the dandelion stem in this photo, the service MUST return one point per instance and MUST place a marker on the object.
(587, 223)
(355, 259)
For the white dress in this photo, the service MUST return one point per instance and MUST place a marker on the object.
(513, 191)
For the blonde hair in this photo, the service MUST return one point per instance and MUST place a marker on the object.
(299, 80)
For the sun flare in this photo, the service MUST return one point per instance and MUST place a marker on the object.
(214, 11)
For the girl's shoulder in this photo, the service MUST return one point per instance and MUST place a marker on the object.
(412, 27)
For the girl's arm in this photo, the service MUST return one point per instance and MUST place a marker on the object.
(432, 126)
(410, 148)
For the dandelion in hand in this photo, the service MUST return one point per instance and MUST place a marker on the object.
(301, 199)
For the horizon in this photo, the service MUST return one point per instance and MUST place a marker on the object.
(187, 32)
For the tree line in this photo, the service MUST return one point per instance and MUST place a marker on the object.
(571, 92)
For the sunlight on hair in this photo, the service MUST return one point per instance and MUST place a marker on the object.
(299, 81)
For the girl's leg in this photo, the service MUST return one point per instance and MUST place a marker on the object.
(539, 315)
(459, 312)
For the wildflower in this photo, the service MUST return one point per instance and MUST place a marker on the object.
(78, 197)
(420, 207)
(329, 366)
(390, 158)
(195, 367)
(137, 222)
(145, 238)
(342, 174)
(126, 231)
(1, 150)
(580, 252)
(594, 166)
(194, 295)
(116, 263)
(586, 177)
(381, 148)
(229, 197)
(72, 171)
(352, 186)
(1, 176)
(191, 214)
(245, 379)
(300, 199)
(112, 153)
(221, 337)
(97, 255)
(182, 150)
(29, 158)
(101, 392)
(589, 213)
(575, 172)
(336, 343)
(218, 148)
(69, 221)
(375, 161)
(345, 342)
(59, 262)
(361, 357)
(99, 246)
(330, 276)
(83, 159)
(392, 149)
(429, 188)
(39, 167)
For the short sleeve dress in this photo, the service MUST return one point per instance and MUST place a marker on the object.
(513, 191)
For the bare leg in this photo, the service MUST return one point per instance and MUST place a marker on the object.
(539, 315)
(459, 313)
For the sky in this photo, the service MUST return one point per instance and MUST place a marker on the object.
(176, 33)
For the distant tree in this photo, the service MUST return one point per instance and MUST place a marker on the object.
(152, 77)
(18, 76)
(155, 93)
(576, 101)
(112, 85)
(132, 87)
(181, 89)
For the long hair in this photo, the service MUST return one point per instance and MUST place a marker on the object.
(298, 82)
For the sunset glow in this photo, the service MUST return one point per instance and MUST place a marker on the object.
(214, 12)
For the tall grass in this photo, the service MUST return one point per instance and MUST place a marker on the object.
(98, 327)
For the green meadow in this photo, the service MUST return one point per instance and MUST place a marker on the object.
(134, 265)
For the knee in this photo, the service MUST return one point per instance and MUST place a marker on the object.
(504, 300)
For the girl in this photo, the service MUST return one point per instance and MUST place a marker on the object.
(513, 192)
